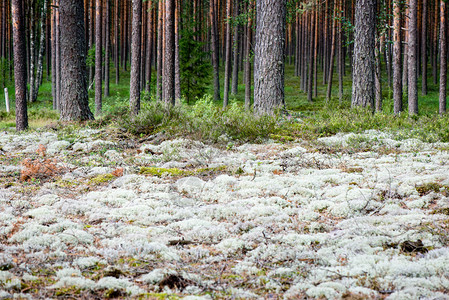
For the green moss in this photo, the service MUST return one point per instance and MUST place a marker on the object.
(101, 179)
(160, 172)
(436, 187)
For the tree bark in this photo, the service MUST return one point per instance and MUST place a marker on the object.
(136, 40)
(424, 48)
(19, 64)
(363, 92)
(74, 104)
(149, 49)
(177, 66)
(397, 45)
(215, 50)
(228, 54)
(235, 67)
(443, 58)
(332, 55)
(107, 50)
(412, 58)
(98, 58)
(169, 55)
(269, 56)
(248, 59)
(159, 52)
(40, 59)
(117, 42)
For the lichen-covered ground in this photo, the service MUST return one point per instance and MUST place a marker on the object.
(98, 214)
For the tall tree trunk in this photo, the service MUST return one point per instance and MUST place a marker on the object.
(32, 41)
(215, 50)
(311, 57)
(159, 51)
(40, 60)
(269, 56)
(443, 58)
(107, 49)
(228, 54)
(134, 84)
(117, 42)
(378, 74)
(315, 55)
(424, 48)
(363, 92)
(177, 66)
(58, 57)
(332, 55)
(235, 67)
(406, 52)
(340, 61)
(19, 64)
(412, 58)
(169, 55)
(98, 58)
(53, 57)
(149, 53)
(92, 37)
(248, 59)
(74, 104)
(435, 43)
(397, 74)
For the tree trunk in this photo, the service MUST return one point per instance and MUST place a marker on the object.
(248, 59)
(332, 55)
(235, 67)
(311, 58)
(58, 57)
(149, 53)
(269, 56)
(424, 48)
(136, 40)
(74, 104)
(32, 41)
(117, 42)
(228, 54)
(397, 75)
(412, 58)
(107, 50)
(315, 54)
(443, 58)
(435, 43)
(215, 50)
(177, 66)
(40, 60)
(98, 58)
(19, 64)
(378, 74)
(92, 37)
(169, 55)
(363, 92)
(159, 52)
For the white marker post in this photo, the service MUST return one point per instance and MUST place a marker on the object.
(7, 100)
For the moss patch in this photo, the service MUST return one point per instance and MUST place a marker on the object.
(160, 172)
(101, 179)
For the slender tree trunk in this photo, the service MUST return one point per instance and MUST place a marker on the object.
(74, 104)
(134, 85)
(424, 49)
(315, 55)
(177, 66)
(443, 58)
(311, 57)
(406, 52)
(248, 60)
(58, 58)
(149, 53)
(32, 41)
(363, 90)
(215, 50)
(40, 60)
(235, 68)
(117, 42)
(92, 37)
(169, 55)
(340, 61)
(397, 76)
(159, 52)
(53, 58)
(435, 43)
(269, 56)
(378, 75)
(19, 64)
(332, 55)
(107, 49)
(412, 58)
(228, 54)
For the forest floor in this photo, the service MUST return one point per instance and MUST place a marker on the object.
(91, 214)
